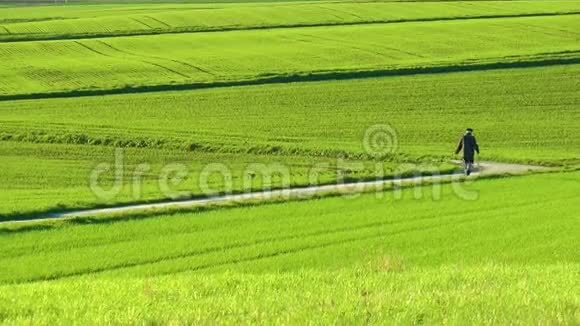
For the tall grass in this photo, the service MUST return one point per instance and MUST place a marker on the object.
(424, 230)
(509, 256)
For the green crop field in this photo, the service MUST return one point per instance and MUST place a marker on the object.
(110, 103)
(513, 255)
(128, 63)
(53, 22)
(234, 126)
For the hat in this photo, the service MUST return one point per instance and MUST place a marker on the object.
(469, 130)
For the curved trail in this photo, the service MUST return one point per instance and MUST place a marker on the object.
(482, 168)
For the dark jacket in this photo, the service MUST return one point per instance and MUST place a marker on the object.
(469, 146)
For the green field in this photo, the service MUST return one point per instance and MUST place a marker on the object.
(325, 260)
(128, 63)
(65, 22)
(151, 95)
(46, 141)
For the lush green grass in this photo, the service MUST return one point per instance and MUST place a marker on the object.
(521, 295)
(494, 251)
(37, 178)
(536, 107)
(298, 125)
(177, 59)
(510, 255)
(322, 234)
(113, 20)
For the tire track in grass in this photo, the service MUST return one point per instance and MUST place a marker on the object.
(322, 232)
(142, 23)
(531, 28)
(5, 29)
(449, 217)
(325, 231)
(329, 8)
(301, 248)
(141, 60)
(166, 68)
(272, 240)
(331, 13)
(58, 276)
(159, 21)
(92, 50)
(451, 222)
(241, 245)
(353, 46)
(548, 30)
(153, 57)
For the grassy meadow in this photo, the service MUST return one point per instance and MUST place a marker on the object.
(331, 259)
(64, 22)
(297, 125)
(60, 181)
(125, 64)
(288, 87)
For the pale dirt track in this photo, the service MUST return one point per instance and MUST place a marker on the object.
(482, 168)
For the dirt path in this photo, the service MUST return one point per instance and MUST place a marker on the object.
(482, 168)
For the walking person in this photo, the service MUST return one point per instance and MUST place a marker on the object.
(469, 146)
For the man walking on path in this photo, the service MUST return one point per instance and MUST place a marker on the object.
(469, 146)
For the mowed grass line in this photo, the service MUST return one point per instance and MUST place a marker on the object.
(100, 64)
(103, 21)
(322, 234)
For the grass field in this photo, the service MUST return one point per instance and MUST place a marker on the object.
(329, 259)
(46, 141)
(38, 178)
(146, 97)
(127, 64)
(54, 22)
(314, 118)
